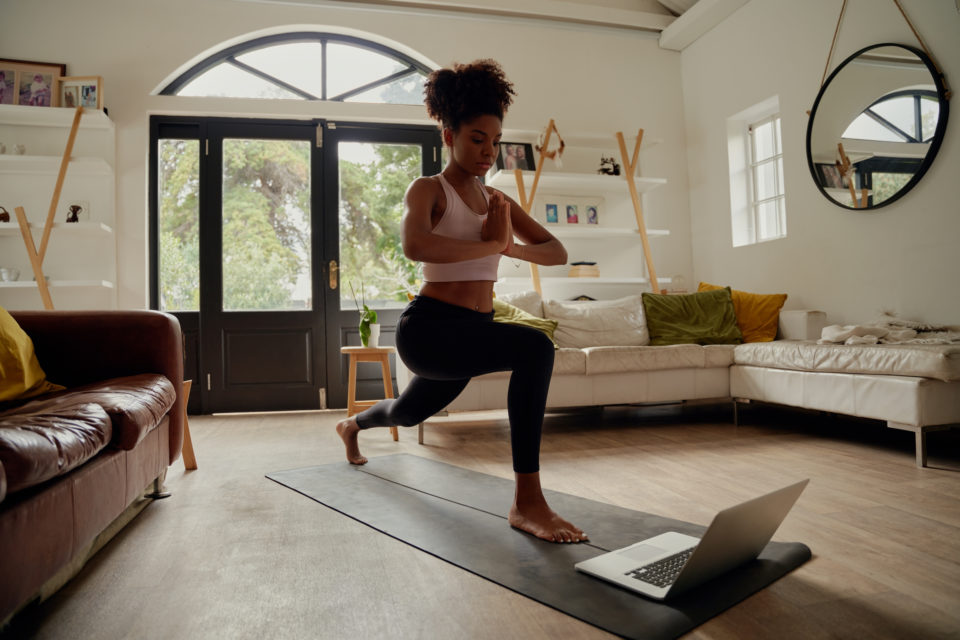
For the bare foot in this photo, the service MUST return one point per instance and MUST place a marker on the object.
(545, 524)
(348, 430)
(531, 513)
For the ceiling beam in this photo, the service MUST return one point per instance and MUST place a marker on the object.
(550, 10)
(698, 20)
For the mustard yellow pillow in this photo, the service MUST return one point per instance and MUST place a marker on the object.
(20, 372)
(509, 314)
(758, 314)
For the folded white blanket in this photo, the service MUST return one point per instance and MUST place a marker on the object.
(889, 330)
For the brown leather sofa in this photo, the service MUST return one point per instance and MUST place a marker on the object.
(75, 465)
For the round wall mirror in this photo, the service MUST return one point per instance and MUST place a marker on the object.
(876, 126)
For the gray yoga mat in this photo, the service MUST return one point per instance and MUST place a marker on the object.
(459, 516)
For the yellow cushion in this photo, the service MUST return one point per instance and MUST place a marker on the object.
(757, 314)
(509, 314)
(20, 373)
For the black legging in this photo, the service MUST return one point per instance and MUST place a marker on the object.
(445, 345)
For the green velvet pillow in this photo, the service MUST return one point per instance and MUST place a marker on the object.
(509, 314)
(707, 317)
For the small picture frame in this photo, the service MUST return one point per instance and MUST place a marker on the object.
(551, 214)
(81, 91)
(30, 83)
(830, 176)
(516, 155)
(592, 213)
(573, 214)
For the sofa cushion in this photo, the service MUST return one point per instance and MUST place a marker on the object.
(596, 323)
(758, 314)
(938, 361)
(135, 404)
(696, 318)
(678, 356)
(529, 301)
(509, 314)
(37, 445)
(20, 373)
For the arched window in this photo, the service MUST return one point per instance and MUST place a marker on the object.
(902, 116)
(306, 66)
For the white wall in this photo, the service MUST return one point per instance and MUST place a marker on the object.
(590, 80)
(902, 257)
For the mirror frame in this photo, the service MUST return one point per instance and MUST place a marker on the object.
(935, 143)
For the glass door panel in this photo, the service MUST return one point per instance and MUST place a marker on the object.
(373, 179)
(178, 214)
(266, 225)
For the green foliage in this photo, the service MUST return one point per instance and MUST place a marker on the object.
(371, 208)
(266, 223)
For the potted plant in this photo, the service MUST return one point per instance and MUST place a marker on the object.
(369, 328)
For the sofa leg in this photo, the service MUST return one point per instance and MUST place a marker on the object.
(920, 437)
(420, 433)
(158, 492)
(736, 411)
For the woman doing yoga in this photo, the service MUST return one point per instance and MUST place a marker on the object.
(459, 229)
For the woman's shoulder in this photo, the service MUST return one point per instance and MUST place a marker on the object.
(426, 190)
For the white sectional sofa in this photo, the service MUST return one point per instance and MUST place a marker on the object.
(913, 387)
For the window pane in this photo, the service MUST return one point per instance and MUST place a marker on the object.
(373, 179)
(297, 63)
(929, 115)
(764, 142)
(765, 177)
(866, 128)
(266, 225)
(886, 185)
(226, 80)
(780, 189)
(179, 219)
(768, 220)
(899, 112)
(406, 90)
(776, 129)
(350, 67)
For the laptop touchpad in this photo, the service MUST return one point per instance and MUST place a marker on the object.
(642, 552)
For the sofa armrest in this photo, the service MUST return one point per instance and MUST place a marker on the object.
(801, 324)
(80, 347)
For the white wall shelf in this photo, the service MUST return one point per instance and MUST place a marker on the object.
(513, 280)
(73, 228)
(599, 233)
(574, 184)
(81, 258)
(52, 117)
(54, 284)
(50, 165)
(590, 141)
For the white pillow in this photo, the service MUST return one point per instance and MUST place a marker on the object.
(528, 301)
(599, 323)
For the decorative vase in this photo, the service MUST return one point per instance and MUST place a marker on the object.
(374, 340)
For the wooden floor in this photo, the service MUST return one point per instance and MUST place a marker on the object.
(234, 555)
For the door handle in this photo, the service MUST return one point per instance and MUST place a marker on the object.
(333, 273)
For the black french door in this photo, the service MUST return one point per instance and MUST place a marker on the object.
(246, 252)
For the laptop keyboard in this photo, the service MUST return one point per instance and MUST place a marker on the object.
(662, 573)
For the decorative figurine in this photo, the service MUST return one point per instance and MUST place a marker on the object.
(4, 215)
(608, 166)
(74, 215)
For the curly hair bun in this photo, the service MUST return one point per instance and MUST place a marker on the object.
(466, 91)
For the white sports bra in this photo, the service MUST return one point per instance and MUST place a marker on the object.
(461, 222)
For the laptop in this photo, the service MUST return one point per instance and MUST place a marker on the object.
(672, 562)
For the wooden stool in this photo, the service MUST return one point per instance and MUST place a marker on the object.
(189, 459)
(368, 354)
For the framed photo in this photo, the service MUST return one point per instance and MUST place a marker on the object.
(30, 83)
(592, 213)
(573, 216)
(830, 176)
(81, 91)
(551, 211)
(516, 155)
